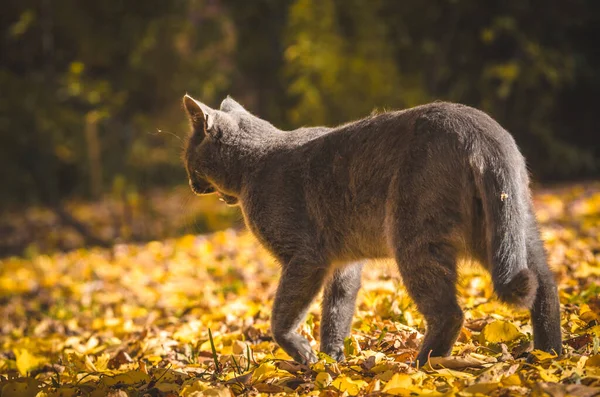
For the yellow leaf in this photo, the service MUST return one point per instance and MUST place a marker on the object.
(451, 374)
(27, 361)
(482, 388)
(324, 357)
(268, 370)
(214, 392)
(102, 361)
(547, 376)
(386, 375)
(89, 365)
(126, 378)
(499, 332)
(168, 375)
(193, 387)
(319, 366)
(595, 330)
(513, 380)
(399, 385)
(323, 379)
(264, 371)
(154, 359)
(168, 387)
(281, 355)
(352, 346)
(20, 388)
(348, 385)
(541, 355)
(593, 361)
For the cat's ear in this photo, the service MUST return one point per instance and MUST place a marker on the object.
(201, 116)
(229, 105)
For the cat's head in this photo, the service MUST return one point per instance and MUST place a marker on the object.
(210, 153)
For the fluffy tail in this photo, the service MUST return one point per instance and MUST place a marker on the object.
(504, 193)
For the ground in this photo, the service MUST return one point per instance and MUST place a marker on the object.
(189, 317)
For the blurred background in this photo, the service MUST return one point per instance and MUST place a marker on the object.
(91, 123)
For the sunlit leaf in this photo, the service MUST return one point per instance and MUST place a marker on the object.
(348, 385)
(399, 385)
(26, 361)
(500, 331)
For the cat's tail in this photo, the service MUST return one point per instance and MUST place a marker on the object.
(505, 196)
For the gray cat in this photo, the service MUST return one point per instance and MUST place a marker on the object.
(427, 186)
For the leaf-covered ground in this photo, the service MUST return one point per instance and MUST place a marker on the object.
(189, 317)
(121, 216)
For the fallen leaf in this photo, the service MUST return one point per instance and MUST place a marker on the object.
(25, 387)
(119, 359)
(593, 361)
(457, 362)
(399, 385)
(26, 361)
(499, 332)
(323, 380)
(346, 384)
(541, 356)
(482, 388)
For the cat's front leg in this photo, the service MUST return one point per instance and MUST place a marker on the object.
(339, 301)
(299, 284)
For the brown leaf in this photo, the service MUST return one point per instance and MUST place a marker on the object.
(457, 362)
(465, 335)
(558, 390)
(121, 358)
(477, 325)
(579, 341)
(243, 379)
(506, 356)
(268, 388)
(291, 366)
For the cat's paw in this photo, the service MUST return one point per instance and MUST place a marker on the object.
(336, 353)
(303, 353)
(307, 358)
(296, 346)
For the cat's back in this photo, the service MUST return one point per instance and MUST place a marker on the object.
(463, 121)
(437, 116)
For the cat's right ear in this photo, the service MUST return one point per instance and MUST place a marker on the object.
(200, 115)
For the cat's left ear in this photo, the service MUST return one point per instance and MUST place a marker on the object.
(201, 116)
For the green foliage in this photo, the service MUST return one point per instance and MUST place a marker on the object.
(339, 62)
(71, 70)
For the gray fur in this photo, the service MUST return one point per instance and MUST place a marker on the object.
(427, 186)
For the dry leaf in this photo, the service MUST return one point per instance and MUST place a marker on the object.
(499, 332)
(77, 319)
(457, 362)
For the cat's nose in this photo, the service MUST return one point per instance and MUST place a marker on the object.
(199, 188)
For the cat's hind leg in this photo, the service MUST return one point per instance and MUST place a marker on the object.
(339, 301)
(428, 270)
(298, 286)
(545, 312)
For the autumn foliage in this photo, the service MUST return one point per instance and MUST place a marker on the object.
(190, 317)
